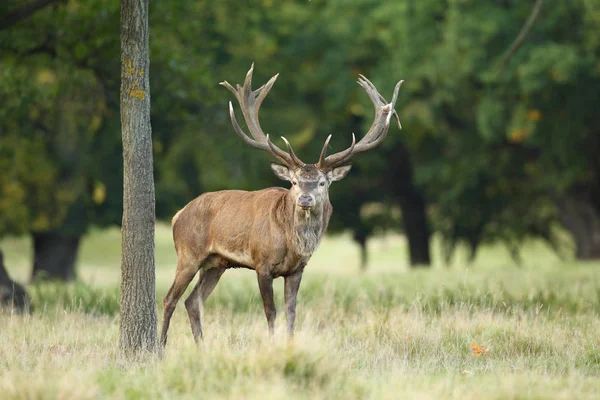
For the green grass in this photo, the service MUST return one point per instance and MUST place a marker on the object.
(387, 333)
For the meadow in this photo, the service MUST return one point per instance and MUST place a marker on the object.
(489, 329)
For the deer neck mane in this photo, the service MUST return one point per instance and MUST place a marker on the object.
(307, 228)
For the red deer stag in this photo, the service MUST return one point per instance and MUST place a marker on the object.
(273, 231)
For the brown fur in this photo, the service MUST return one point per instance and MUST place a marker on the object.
(264, 230)
(244, 229)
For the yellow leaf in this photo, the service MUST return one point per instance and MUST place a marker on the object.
(95, 123)
(518, 135)
(41, 223)
(45, 76)
(72, 5)
(99, 193)
(534, 115)
(479, 350)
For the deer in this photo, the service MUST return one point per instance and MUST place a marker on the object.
(272, 231)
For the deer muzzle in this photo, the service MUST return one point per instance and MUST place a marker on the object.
(306, 201)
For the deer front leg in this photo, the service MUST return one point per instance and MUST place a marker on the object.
(265, 284)
(292, 284)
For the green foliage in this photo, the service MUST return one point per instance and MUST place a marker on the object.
(505, 132)
(491, 145)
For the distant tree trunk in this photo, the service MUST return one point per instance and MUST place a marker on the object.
(412, 205)
(416, 226)
(360, 237)
(12, 294)
(54, 256)
(580, 215)
(138, 297)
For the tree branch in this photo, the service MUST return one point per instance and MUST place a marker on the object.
(523, 34)
(24, 12)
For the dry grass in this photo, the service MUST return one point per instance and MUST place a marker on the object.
(388, 333)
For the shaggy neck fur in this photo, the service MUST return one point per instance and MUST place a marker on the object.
(308, 230)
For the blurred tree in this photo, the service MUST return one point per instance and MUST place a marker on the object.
(56, 104)
(519, 138)
(61, 166)
(493, 148)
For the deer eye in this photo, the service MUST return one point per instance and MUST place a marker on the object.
(322, 183)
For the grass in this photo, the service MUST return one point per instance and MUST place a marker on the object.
(386, 333)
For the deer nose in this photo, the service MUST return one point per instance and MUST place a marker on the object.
(306, 200)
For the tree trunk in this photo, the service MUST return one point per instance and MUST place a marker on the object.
(54, 256)
(582, 219)
(360, 237)
(416, 227)
(12, 295)
(138, 297)
(400, 171)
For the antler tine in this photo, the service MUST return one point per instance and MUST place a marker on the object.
(376, 133)
(337, 158)
(250, 102)
(371, 89)
(291, 152)
(380, 98)
(264, 90)
(394, 99)
(323, 152)
(282, 155)
(228, 86)
(248, 81)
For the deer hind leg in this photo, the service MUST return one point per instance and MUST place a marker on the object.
(206, 284)
(186, 270)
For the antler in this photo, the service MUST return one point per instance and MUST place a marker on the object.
(375, 135)
(250, 102)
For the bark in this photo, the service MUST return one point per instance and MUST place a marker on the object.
(138, 297)
(12, 295)
(54, 256)
(581, 216)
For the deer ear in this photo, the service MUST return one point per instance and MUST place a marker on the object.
(281, 171)
(339, 172)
